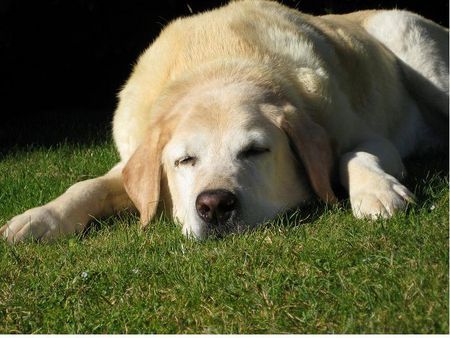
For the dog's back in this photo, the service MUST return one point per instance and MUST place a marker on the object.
(270, 33)
(422, 49)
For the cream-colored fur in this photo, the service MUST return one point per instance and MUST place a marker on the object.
(269, 104)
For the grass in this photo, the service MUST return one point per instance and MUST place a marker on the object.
(313, 271)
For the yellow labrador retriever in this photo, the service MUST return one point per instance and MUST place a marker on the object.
(234, 115)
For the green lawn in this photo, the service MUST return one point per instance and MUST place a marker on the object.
(314, 271)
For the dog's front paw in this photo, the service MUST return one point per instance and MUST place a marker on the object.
(381, 198)
(37, 223)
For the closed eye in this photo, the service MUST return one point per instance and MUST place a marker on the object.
(252, 151)
(185, 160)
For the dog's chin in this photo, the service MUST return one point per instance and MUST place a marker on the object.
(203, 230)
(218, 231)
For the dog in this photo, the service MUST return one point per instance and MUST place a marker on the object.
(234, 115)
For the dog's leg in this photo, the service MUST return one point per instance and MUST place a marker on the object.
(70, 212)
(370, 173)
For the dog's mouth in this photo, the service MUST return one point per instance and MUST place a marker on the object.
(233, 225)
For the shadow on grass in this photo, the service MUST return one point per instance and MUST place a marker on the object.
(118, 220)
(423, 168)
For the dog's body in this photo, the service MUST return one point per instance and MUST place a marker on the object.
(232, 115)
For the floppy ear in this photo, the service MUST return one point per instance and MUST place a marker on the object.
(142, 175)
(311, 144)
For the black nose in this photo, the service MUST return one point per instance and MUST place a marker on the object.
(216, 206)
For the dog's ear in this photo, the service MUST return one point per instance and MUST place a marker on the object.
(142, 174)
(311, 144)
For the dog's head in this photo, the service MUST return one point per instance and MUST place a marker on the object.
(226, 155)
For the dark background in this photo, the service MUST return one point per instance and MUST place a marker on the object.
(62, 62)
